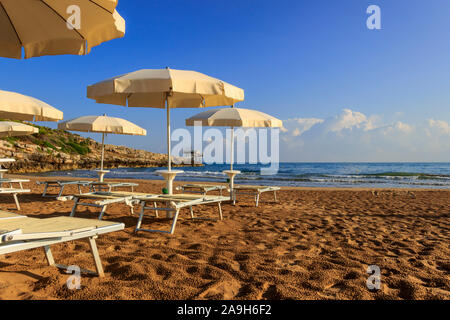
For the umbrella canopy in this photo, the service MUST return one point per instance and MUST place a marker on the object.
(234, 117)
(14, 129)
(159, 88)
(102, 124)
(17, 106)
(41, 26)
(165, 88)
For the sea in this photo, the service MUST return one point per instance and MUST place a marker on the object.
(317, 174)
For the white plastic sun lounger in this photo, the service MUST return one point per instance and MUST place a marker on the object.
(11, 181)
(18, 233)
(109, 186)
(173, 204)
(102, 200)
(255, 191)
(201, 188)
(61, 184)
(14, 193)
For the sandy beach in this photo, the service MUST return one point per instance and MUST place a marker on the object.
(311, 244)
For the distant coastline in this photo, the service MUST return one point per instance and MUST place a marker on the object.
(57, 150)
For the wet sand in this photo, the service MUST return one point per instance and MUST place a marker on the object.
(311, 244)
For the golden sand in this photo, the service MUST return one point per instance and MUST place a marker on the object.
(311, 244)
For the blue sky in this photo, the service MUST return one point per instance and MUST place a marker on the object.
(295, 59)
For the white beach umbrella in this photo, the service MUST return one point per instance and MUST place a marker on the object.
(165, 89)
(16, 106)
(104, 125)
(234, 117)
(15, 129)
(54, 27)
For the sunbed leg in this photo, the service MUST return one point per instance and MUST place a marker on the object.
(275, 196)
(49, 256)
(156, 211)
(98, 262)
(20, 184)
(192, 212)
(257, 199)
(102, 212)
(79, 189)
(141, 216)
(61, 191)
(220, 211)
(16, 200)
(45, 190)
(74, 208)
(175, 218)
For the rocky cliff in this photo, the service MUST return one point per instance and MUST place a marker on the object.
(52, 150)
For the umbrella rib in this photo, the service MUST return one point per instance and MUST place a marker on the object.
(12, 24)
(100, 6)
(56, 12)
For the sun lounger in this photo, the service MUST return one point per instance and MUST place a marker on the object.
(18, 233)
(173, 204)
(102, 200)
(255, 191)
(109, 186)
(14, 193)
(11, 181)
(201, 188)
(61, 184)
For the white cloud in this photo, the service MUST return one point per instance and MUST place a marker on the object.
(354, 136)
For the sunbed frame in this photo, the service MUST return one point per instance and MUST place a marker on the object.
(93, 186)
(11, 181)
(14, 193)
(109, 186)
(43, 233)
(102, 200)
(61, 184)
(173, 204)
(201, 188)
(255, 191)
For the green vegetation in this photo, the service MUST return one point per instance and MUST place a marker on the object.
(51, 140)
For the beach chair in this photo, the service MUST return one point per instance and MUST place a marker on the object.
(110, 186)
(61, 184)
(101, 199)
(14, 192)
(11, 181)
(255, 191)
(18, 233)
(201, 188)
(173, 204)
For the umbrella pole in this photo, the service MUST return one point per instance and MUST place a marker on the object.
(169, 165)
(103, 151)
(232, 149)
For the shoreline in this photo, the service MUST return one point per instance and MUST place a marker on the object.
(178, 183)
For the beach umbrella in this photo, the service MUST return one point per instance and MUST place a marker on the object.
(233, 117)
(165, 89)
(104, 125)
(15, 129)
(54, 27)
(16, 106)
